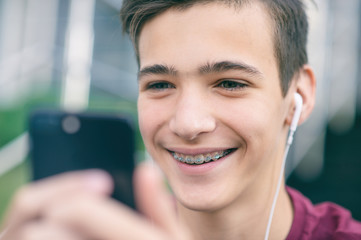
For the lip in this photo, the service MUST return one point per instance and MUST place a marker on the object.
(201, 169)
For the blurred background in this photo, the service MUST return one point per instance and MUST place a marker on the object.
(71, 54)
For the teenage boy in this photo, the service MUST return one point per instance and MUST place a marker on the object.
(217, 81)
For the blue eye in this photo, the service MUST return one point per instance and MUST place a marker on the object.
(159, 86)
(231, 85)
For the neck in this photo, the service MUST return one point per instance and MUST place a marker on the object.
(245, 218)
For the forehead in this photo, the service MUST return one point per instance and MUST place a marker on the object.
(207, 32)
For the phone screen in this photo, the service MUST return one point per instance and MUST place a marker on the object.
(63, 142)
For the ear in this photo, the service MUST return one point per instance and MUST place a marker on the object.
(305, 85)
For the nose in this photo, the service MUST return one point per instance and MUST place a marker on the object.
(192, 117)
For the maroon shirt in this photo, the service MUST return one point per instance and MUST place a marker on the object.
(322, 221)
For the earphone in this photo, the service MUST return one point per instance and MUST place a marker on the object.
(296, 117)
(294, 123)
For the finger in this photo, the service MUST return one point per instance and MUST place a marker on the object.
(39, 230)
(155, 201)
(32, 199)
(152, 197)
(97, 217)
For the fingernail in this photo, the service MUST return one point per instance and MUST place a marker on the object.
(99, 181)
(150, 170)
(154, 166)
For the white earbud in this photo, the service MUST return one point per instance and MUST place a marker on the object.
(296, 117)
(298, 110)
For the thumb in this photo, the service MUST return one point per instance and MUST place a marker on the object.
(155, 202)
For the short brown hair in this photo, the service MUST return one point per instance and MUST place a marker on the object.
(289, 18)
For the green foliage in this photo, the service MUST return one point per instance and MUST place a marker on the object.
(13, 120)
(11, 123)
(11, 181)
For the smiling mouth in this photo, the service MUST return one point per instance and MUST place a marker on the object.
(201, 158)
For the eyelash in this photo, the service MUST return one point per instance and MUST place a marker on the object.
(160, 86)
(236, 85)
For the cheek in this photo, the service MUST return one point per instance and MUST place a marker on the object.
(151, 117)
(146, 122)
(256, 123)
(266, 124)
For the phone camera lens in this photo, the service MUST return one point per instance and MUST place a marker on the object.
(71, 124)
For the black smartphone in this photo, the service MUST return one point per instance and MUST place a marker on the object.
(61, 141)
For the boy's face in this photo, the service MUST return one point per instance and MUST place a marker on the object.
(209, 88)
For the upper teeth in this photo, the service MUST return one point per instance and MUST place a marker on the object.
(200, 158)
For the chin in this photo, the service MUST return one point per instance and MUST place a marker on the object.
(202, 201)
(199, 206)
(204, 206)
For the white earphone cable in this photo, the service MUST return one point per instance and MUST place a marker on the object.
(289, 142)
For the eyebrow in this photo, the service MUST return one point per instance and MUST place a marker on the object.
(223, 66)
(157, 69)
(208, 68)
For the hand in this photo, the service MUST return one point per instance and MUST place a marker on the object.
(76, 206)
